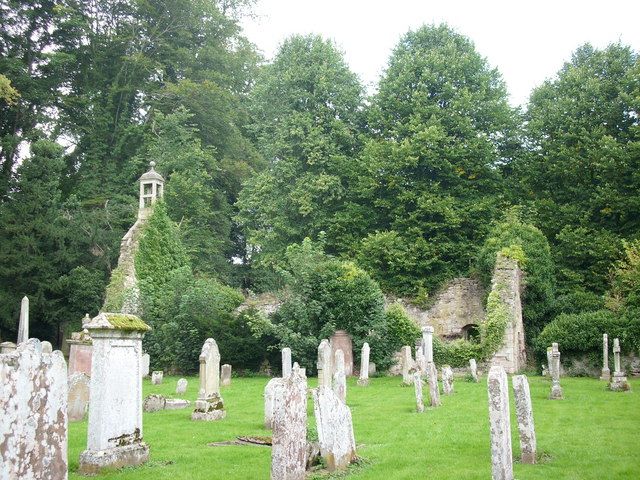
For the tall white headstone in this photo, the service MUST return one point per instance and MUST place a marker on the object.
(524, 413)
(286, 362)
(340, 377)
(500, 425)
(23, 326)
(606, 373)
(473, 370)
(325, 367)
(407, 365)
(209, 405)
(363, 380)
(427, 343)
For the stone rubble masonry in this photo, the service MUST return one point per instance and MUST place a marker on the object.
(289, 439)
(146, 361)
(524, 414)
(114, 437)
(339, 377)
(556, 389)
(225, 375)
(447, 380)
(157, 377)
(271, 390)
(335, 429)
(363, 380)
(473, 370)
(606, 373)
(325, 367)
(507, 281)
(33, 414)
(417, 383)
(407, 365)
(619, 381)
(80, 351)
(181, 386)
(23, 326)
(78, 398)
(209, 406)
(286, 362)
(341, 340)
(432, 378)
(499, 424)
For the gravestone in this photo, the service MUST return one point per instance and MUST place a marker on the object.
(407, 365)
(473, 370)
(341, 340)
(606, 373)
(499, 424)
(427, 343)
(432, 378)
(114, 437)
(225, 375)
(23, 326)
(363, 380)
(339, 377)
(7, 347)
(417, 383)
(325, 368)
(619, 381)
(146, 361)
(447, 380)
(78, 399)
(524, 414)
(335, 429)
(157, 377)
(33, 414)
(181, 386)
(286, 362)
(153, 403)
(556, 389)
(549, 361)
(176, 404)
(289, 439)
(421, 361)
(271, 391)
(209, 406)
(80, 351)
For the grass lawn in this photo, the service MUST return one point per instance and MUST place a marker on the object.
(591, 434)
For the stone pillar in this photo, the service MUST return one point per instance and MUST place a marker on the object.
(286, 362)
(363, 381)
(226, 375)
(556, 389)
(432, 378)
(114, 436)
(619, 381)
(473, 370)
(335, 429)
(524, 413)
(427, 343)
(78, 398)
(407, 364)
(325, 369)
(80, 351)
(33, 413)
(209, 405)
(417, 383)
(500, 425)
(339, 377)
(341, 340)
(447, 380)
(289, 440)
(157, 377)
(23, 326)
(606, 373)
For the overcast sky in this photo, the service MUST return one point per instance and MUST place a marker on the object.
(527, 41)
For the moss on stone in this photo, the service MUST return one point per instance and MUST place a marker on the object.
(123, 321)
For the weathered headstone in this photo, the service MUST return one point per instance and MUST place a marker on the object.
(524, 413)
(372, 369)
(23, 326)
(157, 377)
(209, 405)
(421, 361)
(556, 389)
(289, 439)
(341, 340)
(286, 362)
(33, 414)
(606, 373)
(417, 383)
(181, 386)
(325, 368)
(339, 377)
(271, 391)
(114, 436)
(80, 351)
(225, 375)
(363, 380)
(407, 365)
(427, 343)
(500, 425)
(146, 362)
(335, 429)
(473, 370)
(78, 399)
(7, 347)
(619, 381)
(549, 361)
(154, 403)
(432, 378)
(46, 347)
(447, 380)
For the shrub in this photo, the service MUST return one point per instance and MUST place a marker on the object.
(401, 330)
(625, 279)
(577, 302)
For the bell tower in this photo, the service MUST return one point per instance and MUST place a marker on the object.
(151, 189)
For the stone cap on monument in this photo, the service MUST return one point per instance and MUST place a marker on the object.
(116, 321)
(151, 174)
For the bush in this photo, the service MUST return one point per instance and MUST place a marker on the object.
(401, 330)
(625, 279)
(577, 302)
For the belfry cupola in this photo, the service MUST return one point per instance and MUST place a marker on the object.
(151, 189)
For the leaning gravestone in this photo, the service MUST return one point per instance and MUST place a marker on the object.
(447, 380)
(78, 402)
(500, 425)
(339, 377)
(181, 386)
(335, 429)
(114, 437)
(209, 405)
(289, 439)
(363, 381)
(225, 375)
(33, 414)
(157, 377)
(524, 413)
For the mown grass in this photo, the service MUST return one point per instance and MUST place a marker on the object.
(591, 434)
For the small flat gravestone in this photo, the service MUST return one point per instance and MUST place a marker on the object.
(181, 387)
(156, 377)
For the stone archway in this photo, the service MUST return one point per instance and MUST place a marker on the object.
(470, 331)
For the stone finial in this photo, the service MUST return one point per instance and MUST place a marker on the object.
(524, 413)
(339, 377)
(499, 425)
(363, 380)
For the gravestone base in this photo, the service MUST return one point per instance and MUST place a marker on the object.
(209, 409)
(606, 375)
(363, 382)
(556, 393)
(619, 383)
(93, 461)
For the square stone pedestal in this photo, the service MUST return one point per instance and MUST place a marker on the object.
(209, 409)
(93, 461)
(619, 383)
